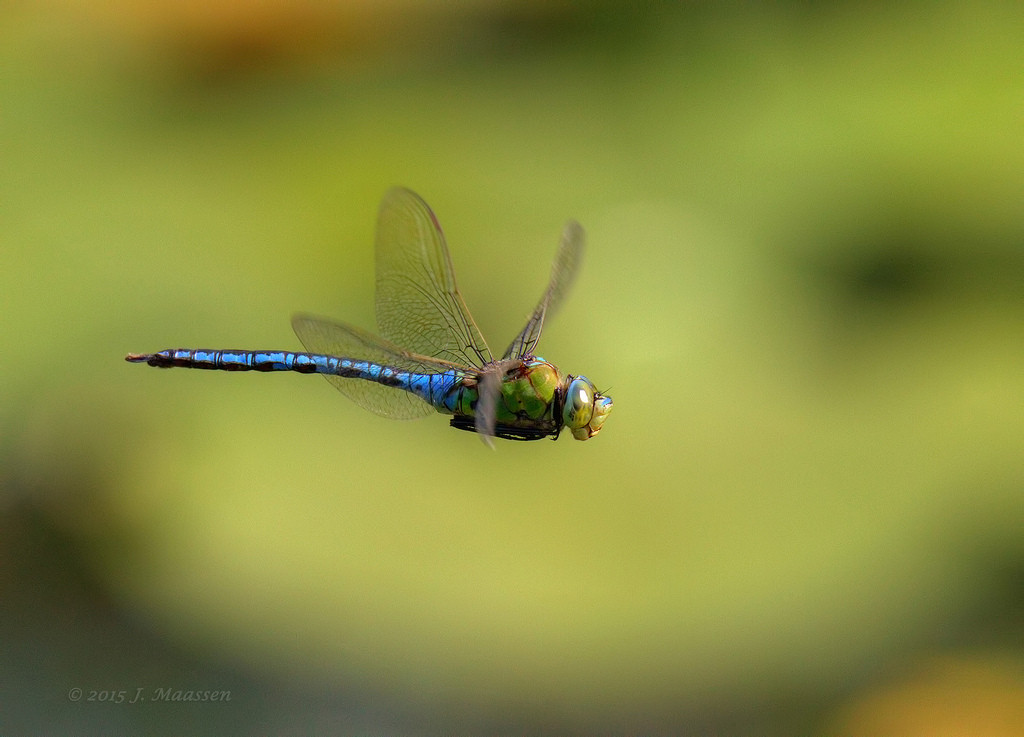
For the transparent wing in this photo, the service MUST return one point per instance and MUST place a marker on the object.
(419, 306)
(563, 274)
(335, 339)
(488, 390)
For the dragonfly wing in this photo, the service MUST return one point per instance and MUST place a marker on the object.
(488, 389)
(336, 339)
(419, 306)
(563, 274)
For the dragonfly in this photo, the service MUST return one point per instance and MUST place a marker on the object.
(429, 355)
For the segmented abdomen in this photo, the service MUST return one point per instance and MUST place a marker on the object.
(435, 388)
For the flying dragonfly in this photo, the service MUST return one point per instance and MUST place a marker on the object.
(429, 354)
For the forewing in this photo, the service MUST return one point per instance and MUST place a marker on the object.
(336, 339)
(488, 389)
(563, 274)
(419, 306)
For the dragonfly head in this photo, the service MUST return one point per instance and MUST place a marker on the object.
(584, 409)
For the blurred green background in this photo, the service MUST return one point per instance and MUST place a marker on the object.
(804, 289)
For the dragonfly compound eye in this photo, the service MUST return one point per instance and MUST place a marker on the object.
(584, 409)
(579, 404)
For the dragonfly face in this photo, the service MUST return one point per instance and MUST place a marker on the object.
(584, 409)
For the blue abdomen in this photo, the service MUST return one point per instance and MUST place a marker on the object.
(434, 388)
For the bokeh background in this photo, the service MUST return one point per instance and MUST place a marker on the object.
(804, 289)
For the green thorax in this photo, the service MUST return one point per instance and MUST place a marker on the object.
(528, 405)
